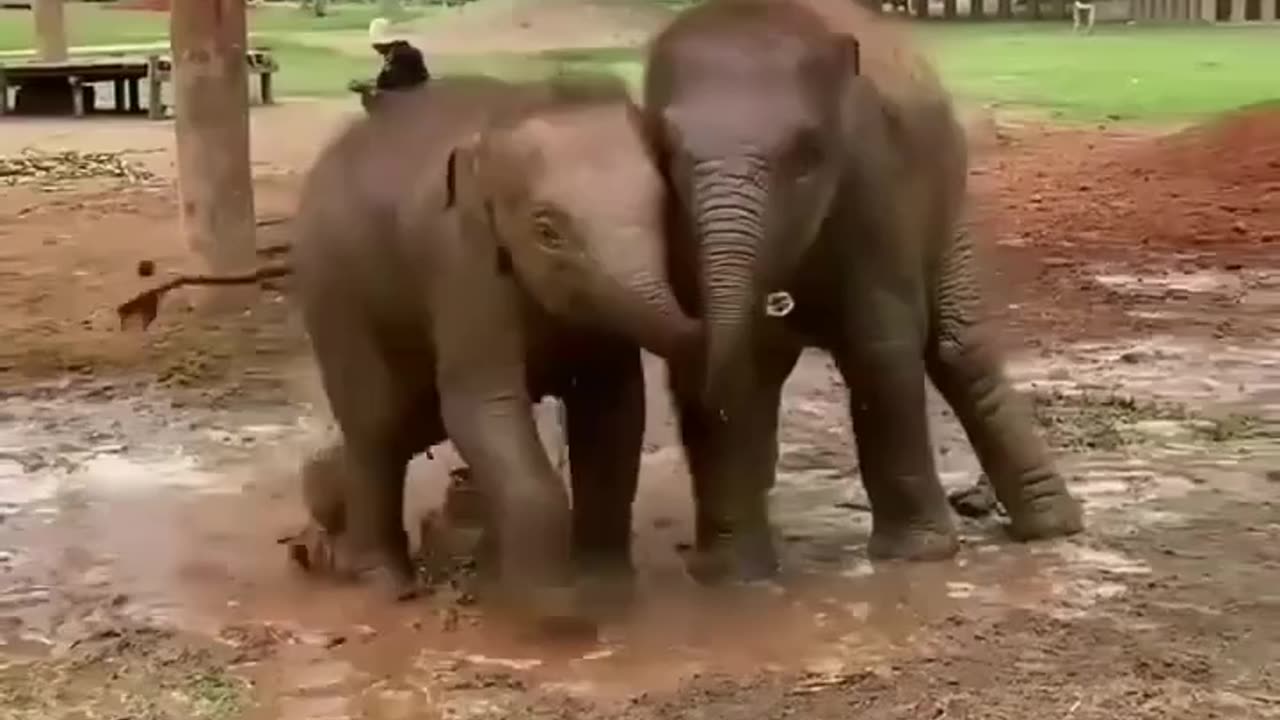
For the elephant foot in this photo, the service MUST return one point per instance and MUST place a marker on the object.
(607, 583)
(608, 565)
(389, 574)
(607, 598)
(741, 560)
(547, 613)
(1057, 515)
(560, 613)
(312, 549)
(395, 583)
(318, 552)
(938, 541)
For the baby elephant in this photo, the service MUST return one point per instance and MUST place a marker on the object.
(465, 251)
(822, 177)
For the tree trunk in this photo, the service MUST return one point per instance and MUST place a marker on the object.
(211, 105)
(51, 30)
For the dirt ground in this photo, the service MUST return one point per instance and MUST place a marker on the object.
(145, 477)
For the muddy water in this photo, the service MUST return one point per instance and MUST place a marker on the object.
(111, 498)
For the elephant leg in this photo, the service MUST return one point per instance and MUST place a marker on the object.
(375, 511)
(733, 460)
(323, 488)
(494, 431)
(372, 411)
(964, 363)
(910, 516)
(694, 424)
(482, 340)
(606, 413)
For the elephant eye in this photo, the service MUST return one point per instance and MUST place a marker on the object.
(547, 233)
(806, 150)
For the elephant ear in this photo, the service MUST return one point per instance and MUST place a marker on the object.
(462, 166)
(461, 162)
(848, 54)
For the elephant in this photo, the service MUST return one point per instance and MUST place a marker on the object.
(465, 251)
(818, 175)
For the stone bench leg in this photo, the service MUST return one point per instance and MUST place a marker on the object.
(77, 96)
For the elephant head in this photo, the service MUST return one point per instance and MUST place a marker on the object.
(571, 192)
(747, 103)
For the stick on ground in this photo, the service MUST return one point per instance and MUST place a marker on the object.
(146, 305)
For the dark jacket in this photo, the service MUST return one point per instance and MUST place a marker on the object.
(403, 67)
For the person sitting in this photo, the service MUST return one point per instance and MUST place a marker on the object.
(403, 67)
(1082, 9)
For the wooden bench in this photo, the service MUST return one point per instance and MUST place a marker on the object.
(126, 73)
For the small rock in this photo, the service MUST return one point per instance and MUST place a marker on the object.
(1273, 476)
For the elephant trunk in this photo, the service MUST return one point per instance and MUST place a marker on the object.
(728, 208)
(657, 322)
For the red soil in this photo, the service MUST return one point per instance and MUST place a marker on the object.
(1077, 203)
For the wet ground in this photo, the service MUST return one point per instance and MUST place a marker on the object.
(139, 512)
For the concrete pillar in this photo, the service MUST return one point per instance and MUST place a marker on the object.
(1237, 11)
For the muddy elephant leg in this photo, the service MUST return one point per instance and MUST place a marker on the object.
(373, 415)
(606, 410)
(910, 516)
(375, 510)
(493, 429)
(733, 460)
(965, 365)
(711, 527)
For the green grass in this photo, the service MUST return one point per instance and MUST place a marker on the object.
(1120, 72)
(87, 25)
(91, 24)
(306, 69)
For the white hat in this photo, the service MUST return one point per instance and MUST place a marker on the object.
(379, 31)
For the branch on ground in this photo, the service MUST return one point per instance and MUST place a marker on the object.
(146, 305)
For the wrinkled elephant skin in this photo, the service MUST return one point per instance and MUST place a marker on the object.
(820, 177)
(468, 249)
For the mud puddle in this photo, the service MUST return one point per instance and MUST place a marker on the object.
(120, 509)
